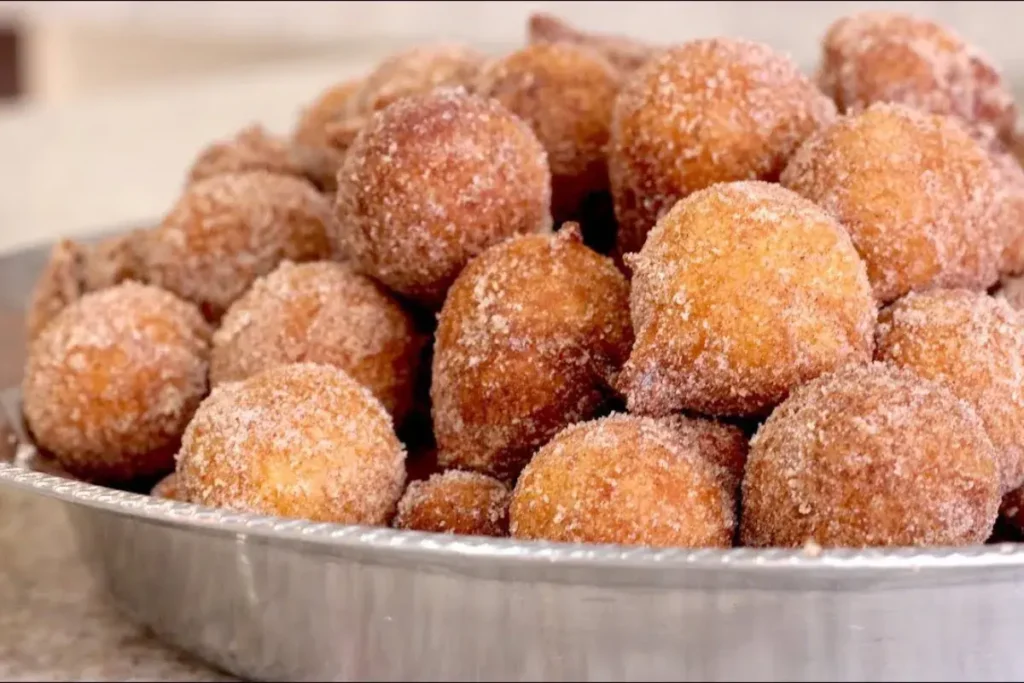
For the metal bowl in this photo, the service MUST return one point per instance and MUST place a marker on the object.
(275, 599)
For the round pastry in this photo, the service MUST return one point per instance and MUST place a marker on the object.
(974, 344)
(566, 93)
(876, 56)
(112, 380)
(742, 292)
(870, 456)
(431, 182)
(304, 441)
(721, 444)
(701, 113)
(529, 340)
(626, 480)
(321, 312)
(226, 231)
(417, 71)
(251, 149)
(914, 190)
(455, 502)
(316, 148)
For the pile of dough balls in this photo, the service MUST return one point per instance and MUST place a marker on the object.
(594, 290)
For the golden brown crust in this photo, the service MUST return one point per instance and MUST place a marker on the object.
(566, 94)
(455, 502)
(529, 340)
(626, 54)
(870, 456)
(251, 149)
(417, 71)
(625, 480)
(321, 312)
(974, 344)
(915, 192)
(316, 146)
(304, 441)
(705, 112)
(742, 292)
(724, 445)
(112, 381)
(59, 284)
(891, 57)
(226, 231)
(430, 183)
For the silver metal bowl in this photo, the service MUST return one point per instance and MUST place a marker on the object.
(274, 599)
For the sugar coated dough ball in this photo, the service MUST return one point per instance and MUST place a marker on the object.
(321, 312)
(742, 292)
(722, 444)
(316, 148)
(431, 182)
(625, 54)
(59, 284)
(226, 231)
(112, 381)
(566, 93)
(974, 344)
(870, 456)
(529, 341)
(701, 113)
(417, 71)
(874, 57)
(915, 192)
(168, 489)
(625, 480)
(303, 441)
(455, 502)
(251, 149)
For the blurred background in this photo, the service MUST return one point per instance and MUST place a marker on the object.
(103, 105)
(60, 51)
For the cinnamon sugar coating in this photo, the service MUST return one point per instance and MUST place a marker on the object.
(705, 112)
(625, 54)
(111, 382)
(417, 71)
(317, 151)
(626, 480)
(251, 149)
(226, 231)
(321, 312)
(529, 341)
(916, 193)
(455, 502)
(974, 344)
(742, 292)
(431, 182)
(870, 456)
(566, 93)
(878, 56)
(721, 444)
(303, 440)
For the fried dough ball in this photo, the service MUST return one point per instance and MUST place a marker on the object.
(974, 344)
(168, 489)
(891, 57)
(1009, 180)
(316, 146)
(626, 480)
(915, 192)
(870, 456)
(303, 440)
(112, 381)
(529, 341)
(417, 71)
(624, 54)
(742, 292)
(566, 93)
(321, 312)
(226, 231)
(721, 444)
(111, 261)
(58, 285)
(251, 149)
(431, 182)
(701, 113)
(455, 502)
